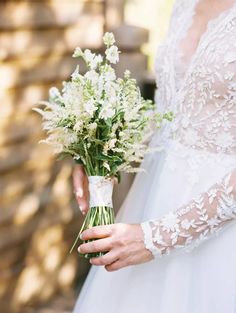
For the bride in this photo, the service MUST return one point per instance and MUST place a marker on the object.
(173, 249)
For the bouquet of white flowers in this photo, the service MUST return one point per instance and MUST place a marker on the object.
(102, 122)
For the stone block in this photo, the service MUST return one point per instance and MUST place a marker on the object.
(130, 37)
(45, 14)
(33, 70)
(19, 101)
(135, 62)
(87, 33)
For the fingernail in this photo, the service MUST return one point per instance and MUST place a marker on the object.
(82, 210)
(79, 192)
(81, 236)
(79, 248)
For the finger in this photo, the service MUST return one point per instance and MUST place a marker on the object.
(116, 266)
(83, 205)
(80, 181)
(78, 177)
(114, 180)
(97, 232)
(84, 201)
(106, 259)
(102, 245)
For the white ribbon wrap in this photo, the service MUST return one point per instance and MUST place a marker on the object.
(100, 190)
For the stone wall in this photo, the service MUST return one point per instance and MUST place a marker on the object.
(39, 217)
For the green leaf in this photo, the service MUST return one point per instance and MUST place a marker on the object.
(108, 158)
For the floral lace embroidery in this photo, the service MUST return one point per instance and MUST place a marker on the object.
(195, 222)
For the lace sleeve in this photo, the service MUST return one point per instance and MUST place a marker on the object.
(191, 224)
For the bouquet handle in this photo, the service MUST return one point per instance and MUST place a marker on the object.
(101, 210)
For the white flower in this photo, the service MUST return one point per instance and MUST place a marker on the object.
(92, 59)
(90, 107)
(170, 222)
(54, 139)
(92, 126)
(75, 75)
(78, 125)
(112, 54)
(110, 74)
(110, 93)
(54, 93)
(224, 140)
(72, 97)
(127, 74)
(68, 137)
(77, 53)
(107, 112)
(106, 165)
(95, 61)
(111, 143)
(88, 56)
(98, 90)
(129, 115)
(109, 39)
(58, 148)
(92, 76)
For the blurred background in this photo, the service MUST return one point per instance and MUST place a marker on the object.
(39, 217)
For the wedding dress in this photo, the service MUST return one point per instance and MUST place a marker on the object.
(186, 199)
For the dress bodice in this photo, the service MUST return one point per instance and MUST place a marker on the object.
(202, 94)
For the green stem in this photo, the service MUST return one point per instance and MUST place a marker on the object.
(96, 216)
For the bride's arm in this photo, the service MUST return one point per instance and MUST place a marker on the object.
(194, 222)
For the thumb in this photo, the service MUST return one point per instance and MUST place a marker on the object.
(78, 178)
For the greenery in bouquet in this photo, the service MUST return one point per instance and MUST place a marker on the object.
(101, 121)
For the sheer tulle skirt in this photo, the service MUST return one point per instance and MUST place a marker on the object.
(201, 281)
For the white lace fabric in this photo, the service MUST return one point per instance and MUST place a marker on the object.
(203, 96)
(195, 222)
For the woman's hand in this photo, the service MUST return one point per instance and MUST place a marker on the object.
(80, 181)
(124, 244)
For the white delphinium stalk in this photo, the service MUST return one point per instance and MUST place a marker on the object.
(109, 39)
(112, 54)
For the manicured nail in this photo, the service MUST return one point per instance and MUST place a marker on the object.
(79, 192)
(82, 210)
